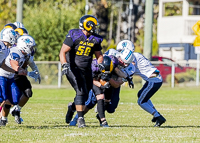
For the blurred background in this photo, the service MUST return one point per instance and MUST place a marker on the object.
(160, 29)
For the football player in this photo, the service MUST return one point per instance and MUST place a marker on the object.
(151, 75)
(110, 84)
(22, 81)
(76, 57)
(9, 89)
(7, 39)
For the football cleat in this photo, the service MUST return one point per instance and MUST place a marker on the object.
(81, 122)
(104, 123)
(159, 121)
(73, 122)
(3, 122)
(69, 114)
(17, 116)
(155, 118)
(16, 113)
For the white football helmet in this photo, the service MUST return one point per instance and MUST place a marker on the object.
(126, 55)
(8, 35)
(19, 24)
(125, 44)
(26, 43)
(112, 52)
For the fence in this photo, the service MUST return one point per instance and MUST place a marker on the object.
(182, 73)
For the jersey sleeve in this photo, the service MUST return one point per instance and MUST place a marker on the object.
(68, 41)
(14, 56)
(97, 47)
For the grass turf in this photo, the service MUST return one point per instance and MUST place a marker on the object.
(44, 119)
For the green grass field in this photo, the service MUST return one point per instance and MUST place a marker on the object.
(44, 119)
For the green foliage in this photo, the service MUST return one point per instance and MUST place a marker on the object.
(7, 12)
(173, 8)
(106, 46)
(139, 43)
(49, 23)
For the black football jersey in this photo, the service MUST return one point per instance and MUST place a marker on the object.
(82, 48)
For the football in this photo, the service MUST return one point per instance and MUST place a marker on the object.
(103, 82)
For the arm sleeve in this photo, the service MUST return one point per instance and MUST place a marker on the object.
(32, 64)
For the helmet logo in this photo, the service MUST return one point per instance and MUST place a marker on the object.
(13, 32)
(92, 19)
(124, 44)
(19, 31)
(27, 41)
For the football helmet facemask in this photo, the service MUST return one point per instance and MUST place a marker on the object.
(126, 57)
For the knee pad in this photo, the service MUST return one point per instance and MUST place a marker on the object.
(28, 93)
(79, 100)
(7, 106)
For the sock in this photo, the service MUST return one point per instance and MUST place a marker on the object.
(80, 113)
(156, 114)
(3, 118)
(100, 108)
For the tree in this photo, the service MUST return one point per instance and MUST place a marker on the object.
(48, 23)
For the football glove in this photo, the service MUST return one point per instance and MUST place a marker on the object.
(130, 82)
(65, 69)
(33, 74)
(101, 67)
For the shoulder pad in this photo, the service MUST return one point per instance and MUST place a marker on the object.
(75, 33)
(97, 37)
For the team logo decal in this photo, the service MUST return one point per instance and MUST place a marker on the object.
(124, 44)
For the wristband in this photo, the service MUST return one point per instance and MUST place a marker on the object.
(16, 72)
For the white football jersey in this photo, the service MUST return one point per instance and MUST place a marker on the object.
(4, 51)
(112, 52)
(144, 68)
(15, 54)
